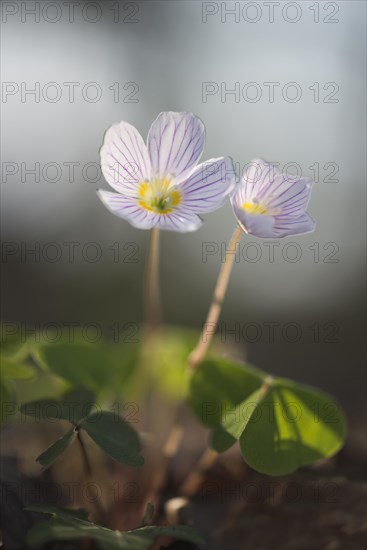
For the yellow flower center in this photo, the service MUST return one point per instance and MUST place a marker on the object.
(254, 208)
(157, 195)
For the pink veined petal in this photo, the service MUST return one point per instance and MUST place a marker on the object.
(208, 185)
(274, 227)
(128, 208)
(124, 158)
(181, 220)
(283, 196)
(263, 183)
(256, 225)
(279, 193)
(175, 143)
(290, 196)
(287, 225)
(257, 176)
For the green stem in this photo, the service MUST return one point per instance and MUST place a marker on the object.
(193, 481)
(199, 352)
(153, 309)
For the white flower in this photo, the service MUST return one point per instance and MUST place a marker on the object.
(160, 184)
(270, 205)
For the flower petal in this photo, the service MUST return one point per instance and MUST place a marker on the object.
(124, 158)
(253, 224)
(181, 220)
(208, 185)
(290, 196)
(175, 143)
(273, 227)
(279, 202)
(290, 225)
(264, 183)
(128, 208)
(255, 179)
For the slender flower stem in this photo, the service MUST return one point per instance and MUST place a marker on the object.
(196, 476)
(199, 352)
(194, 480)
(153, 309)
(89, 475)
(169, 451)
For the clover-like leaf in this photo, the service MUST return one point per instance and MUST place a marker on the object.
(74, 406)
(221, 440)
(15, 369)
(60, 530)
(93, 366)
(115, 436)
(291, 426)
(235, 420)
(281, 425)
(12, 343)
(71, 524)
(63, 513)
(52, 453)
(220, 384)
(82, 365)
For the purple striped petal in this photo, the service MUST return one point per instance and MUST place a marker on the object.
(286, 225)
(181, 220)
(274, 227)
(258, 226)
(269, 204)
(290, 197)
(128, 208)
(257, 177)
(124, 158)
(175, 143)
(208, 185)
(263, 183)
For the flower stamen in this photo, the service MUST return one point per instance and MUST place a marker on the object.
(254, 208)
(157, 195)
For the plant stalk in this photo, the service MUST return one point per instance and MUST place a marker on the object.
(205, 339)
(153, 314)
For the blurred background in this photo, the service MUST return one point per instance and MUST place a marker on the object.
(299, 77)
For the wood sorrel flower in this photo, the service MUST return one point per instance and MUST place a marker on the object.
(270, 204)
(160, 185)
